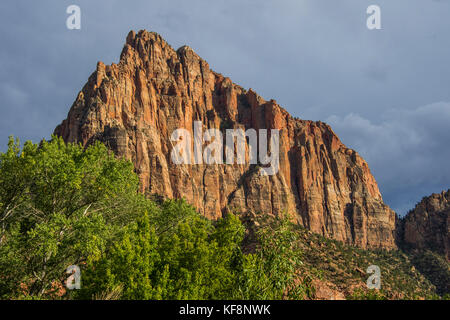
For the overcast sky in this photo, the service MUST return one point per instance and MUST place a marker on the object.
(386, 93)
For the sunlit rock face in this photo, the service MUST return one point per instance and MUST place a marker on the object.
(134, 107)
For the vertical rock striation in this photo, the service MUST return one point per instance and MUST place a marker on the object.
(135, 105)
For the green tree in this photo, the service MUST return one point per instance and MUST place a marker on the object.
(59, 203)
(184, 256)
(271, 272)
(62, 204)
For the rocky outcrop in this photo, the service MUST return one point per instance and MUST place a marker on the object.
(135, 105)
(427, 226)
(324, 290)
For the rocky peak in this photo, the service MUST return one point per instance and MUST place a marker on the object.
(427, 226)
(135, 105)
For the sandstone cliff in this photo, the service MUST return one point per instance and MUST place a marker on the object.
(427, 226)
(135, 105)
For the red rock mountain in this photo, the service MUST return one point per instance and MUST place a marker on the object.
(427, 226)
(135, 105)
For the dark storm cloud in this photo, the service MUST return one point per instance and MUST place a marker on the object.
(407, 150)
(315, 57)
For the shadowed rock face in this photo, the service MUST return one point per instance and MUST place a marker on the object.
(135, 105)
(428, 225)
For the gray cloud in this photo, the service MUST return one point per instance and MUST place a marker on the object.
(407, 151)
